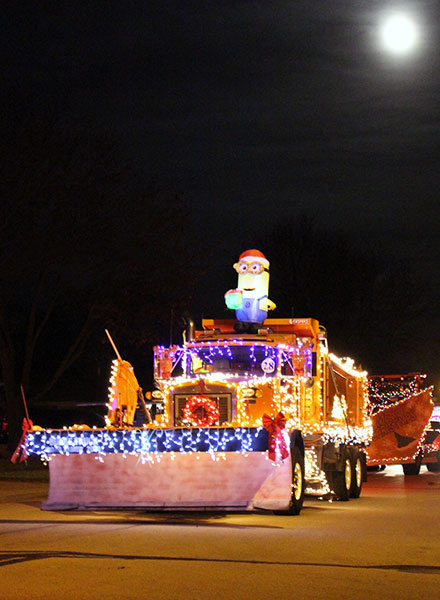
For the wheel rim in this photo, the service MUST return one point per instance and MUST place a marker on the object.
(358, 472)
(347, 474)
(297, 481)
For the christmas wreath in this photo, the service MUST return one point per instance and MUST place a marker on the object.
(201, 411)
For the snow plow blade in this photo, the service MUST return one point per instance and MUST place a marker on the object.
(237, 475)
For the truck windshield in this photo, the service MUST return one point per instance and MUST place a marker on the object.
(256, 360)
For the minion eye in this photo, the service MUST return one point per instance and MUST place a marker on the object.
(255, 268)
(242, 267)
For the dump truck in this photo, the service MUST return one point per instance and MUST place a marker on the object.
(406, 428)
(310, 405)
(251, 413)
(237, 421)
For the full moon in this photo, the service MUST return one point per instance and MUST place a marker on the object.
(399, 33)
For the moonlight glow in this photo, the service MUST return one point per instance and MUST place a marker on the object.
(399, 34)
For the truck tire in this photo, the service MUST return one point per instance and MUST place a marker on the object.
(298, 486)
(357, 473)
(435, 466)
(340, 482)
(411, 468)
(376, 468)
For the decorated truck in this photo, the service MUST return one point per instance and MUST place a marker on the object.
(406, 425)
(247, 413)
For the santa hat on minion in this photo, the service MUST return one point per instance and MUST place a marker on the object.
(254, 256)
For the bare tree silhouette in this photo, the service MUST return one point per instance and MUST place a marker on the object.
(86, 242)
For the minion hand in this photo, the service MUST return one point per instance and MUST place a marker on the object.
(266, 304)
(234, 299)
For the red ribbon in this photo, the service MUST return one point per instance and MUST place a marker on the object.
(276, 438)
(21, 450)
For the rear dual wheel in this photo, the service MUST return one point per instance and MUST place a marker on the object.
(347, 483)
(358, 466)
(340, 481)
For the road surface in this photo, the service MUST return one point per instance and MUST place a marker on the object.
(386, 544)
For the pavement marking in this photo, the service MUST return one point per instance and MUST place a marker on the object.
(10, 558)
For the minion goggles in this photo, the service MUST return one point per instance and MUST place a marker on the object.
(254, 268)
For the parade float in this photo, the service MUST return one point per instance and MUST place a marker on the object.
(406, 430)
(248, 413)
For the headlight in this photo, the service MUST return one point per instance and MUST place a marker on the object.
(249, 392)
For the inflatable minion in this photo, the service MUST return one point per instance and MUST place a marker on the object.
(250, 299)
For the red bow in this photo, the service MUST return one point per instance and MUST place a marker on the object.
(276, 438)
(21, 451)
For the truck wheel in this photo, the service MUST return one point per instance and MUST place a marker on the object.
(434, 467)
(376, 468)
(297, 481)
(298, 486)
(340, 481)
(357, 473)
(411, 468)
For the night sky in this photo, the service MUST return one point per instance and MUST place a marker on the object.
(256, 111)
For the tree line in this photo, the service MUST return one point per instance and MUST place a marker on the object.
(87, 242)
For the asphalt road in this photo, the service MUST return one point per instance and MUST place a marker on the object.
(384, 545)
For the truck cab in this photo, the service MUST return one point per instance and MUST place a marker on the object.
(221, 378)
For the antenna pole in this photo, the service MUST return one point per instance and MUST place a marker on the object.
(113, 344)
(24, 402)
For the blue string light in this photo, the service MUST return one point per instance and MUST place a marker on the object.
(144, 441)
